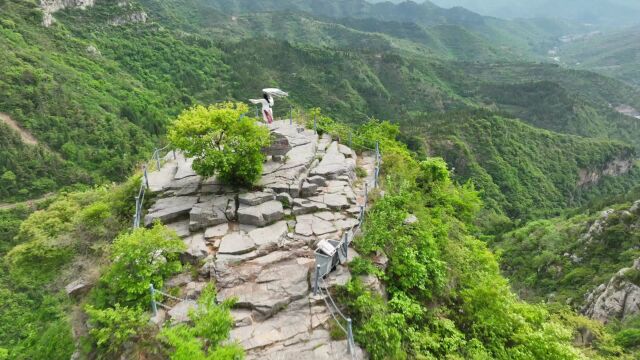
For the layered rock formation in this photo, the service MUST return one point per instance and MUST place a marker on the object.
(618, 299)
(258, 245)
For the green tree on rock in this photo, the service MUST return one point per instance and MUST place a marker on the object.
(222, 142)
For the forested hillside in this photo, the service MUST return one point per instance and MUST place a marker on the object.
(351, 67)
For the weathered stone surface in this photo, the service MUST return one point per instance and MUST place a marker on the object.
(180, 312)
(178, 280)
(410, 220)
(285, 199)
(181, 228)
(267, 267)
(308, 189)
(279, 145)
(185, 169)
(255, 198)
(346, 224)
(275, 287)
(305, 206)
(618, 299)
(216, 231)
(318, 180)
(346, 151)
(196, 247)
(189, 184)
(204, 215)
(339, 277)
(236, 243)
(169, 209)
(322, 227)
(158, 180)
(334, 164)
(242, 317)
(262, 214)
(333, 201)
(77, 287)
(269, 236)
(194, 289)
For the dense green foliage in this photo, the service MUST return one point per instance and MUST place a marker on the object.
(522, 171)
(138, 259)
(222, 142)
(446, 296)
(47, 251)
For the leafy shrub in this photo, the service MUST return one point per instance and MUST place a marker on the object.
(142, 257)
(204, 339)
(113, 327)
(222, 142)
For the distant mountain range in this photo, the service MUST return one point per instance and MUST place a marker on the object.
(608, 13)
(614, 13)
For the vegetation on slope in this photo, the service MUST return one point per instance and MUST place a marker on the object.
(523, 172)
(45, 252)
(614, 54)
(562, 259)
(446, 296)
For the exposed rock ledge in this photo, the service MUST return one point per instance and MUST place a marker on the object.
(618, 299)
(49, 7)
(614, 168)
(258, 246)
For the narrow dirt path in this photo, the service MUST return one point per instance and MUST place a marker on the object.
(28, 203)
(27, 138)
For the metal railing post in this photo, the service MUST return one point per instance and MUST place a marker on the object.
(366, 194)
(290, 115)
(377, 170)
(154, 307)
(146, 176)
(315, 284)
(315, 123)
(350, 143)
(350, 341)
(175, 157)
(157, 153)
(136, 222)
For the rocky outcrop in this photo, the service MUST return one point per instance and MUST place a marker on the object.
(618, 299)
(135, 17)
(246, 246)
(616, 167)
(49, 7)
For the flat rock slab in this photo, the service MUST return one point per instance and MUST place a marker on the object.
(274, 288)
(216, 231)
(333, 201)
(255, 198)
(270, 235)
(306, 206)
(322, 227)
(262, 214)
(204, 215)
(185, 169)
(196, 247)
(334, 164)
(169, 209)
(181, 228)
(180, 312)
(158, 180)
(236, 243)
